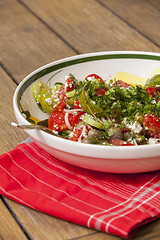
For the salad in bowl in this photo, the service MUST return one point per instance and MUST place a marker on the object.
(96, 112)
(100, 110)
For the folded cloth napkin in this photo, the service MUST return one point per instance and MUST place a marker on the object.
(115, 203)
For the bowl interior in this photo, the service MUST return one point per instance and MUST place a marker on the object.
(103, 64)
(114, 159)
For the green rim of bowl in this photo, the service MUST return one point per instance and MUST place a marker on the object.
(82, 60)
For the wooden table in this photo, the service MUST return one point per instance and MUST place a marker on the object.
(36, 32)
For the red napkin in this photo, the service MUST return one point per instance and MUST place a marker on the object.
(115, 203)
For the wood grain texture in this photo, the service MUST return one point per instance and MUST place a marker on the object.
(10, 136)
(39, 225)
(36, 224)
(35, 32)
(142, 15)
(25, 42)
(147, 232)
(88, 26)
(9, 229)
(28, 43)
(155, 3)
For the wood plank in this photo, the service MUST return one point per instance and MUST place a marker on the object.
(146, 232)
(99, 236)
(76, 22)
(155, 3)
(10, 136)
(31, 41)
(38, 225)
(142, 15)
(26, 43)
(9, 229)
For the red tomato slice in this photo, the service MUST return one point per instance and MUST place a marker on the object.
(77, 104)
(60, 106)
(76, 134)
(56, 121)
(77, 118)
(95, 76)
(101, 91)
(118, 142)
(62, 96)
(152, 91)
(152, 124)
(121, 83)
(67, 86)
(124, 130)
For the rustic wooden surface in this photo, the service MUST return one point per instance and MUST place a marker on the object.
(36, 32)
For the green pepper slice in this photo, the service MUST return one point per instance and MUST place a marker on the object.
(153, 81)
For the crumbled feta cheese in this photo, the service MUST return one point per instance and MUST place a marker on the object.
(83, 134)
(90, 78)
(66, 77)
(93, 102)
(152, 141)
(134, 142)
(135, 127)
(49, 101)
(56, 132)
(153, 101)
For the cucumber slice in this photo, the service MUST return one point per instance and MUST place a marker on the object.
(46, 100)
(56, 87)
(70, 94)
(153, 81)
(89, 106)
(70, 102)
(91, 121)
(36, 89)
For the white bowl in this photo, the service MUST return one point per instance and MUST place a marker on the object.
(113, 159)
